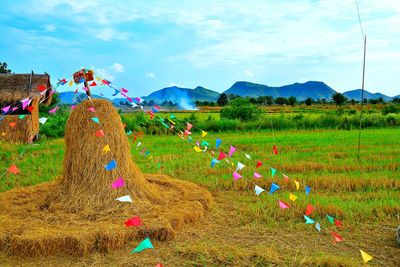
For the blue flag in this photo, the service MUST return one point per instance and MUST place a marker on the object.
(273, 188)
(318, 227)
(308, 220)
(218, 142)
(111, 165)
(213, 162)
(308, 190)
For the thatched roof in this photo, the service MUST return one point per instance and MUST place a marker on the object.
(18, 86)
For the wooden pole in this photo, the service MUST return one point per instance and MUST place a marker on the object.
(362, 98)
(89, 94)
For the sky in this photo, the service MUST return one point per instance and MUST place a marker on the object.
(148, 45)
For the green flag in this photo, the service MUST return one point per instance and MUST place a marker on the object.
(330, 219)
(143, 245)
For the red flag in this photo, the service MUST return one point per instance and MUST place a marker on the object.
(157, 107)
(99, 133)
(76, 91)
(93, 83)
(337, 237)
(12, 124)
(13, 169)
(30, 108)
(134, 221)
(338, 223)
(259, 164)
(309, 209)
(160, 265)
(221, 155)
(41, 88)
(275, 150)
(134, 139)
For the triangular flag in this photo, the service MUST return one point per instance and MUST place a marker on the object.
(72, 106)
(258, 189)
(25, 102)
(297, 185)
(188, 126)
(338, 223)
(292, 197)
(285, 177)
(337, 237)
(308, 190)
(203, 133)
(273, 171)
(138, 144)
(236, 176)
(95, 119)
(308, 220)
(41, 87)
(283, 205)
(172, 116)
(30, 108)
(309, 209)
(134, 221)
(186, 133)
(204, 143)
(217, 142)
(197, 149)
(273, 188)
(366, 257)
(275, 150)
(247, 156)
(330, 219)
(159, 265)
(106, 149)
(6, 109)
(21, 117)
(222, 155)
(126, 198)
(318, 227)
(52, 111)
(92, 109)
(13, 169)
(239, 166)
(118, 183)
(213, 162)
(99, 133)
(257, 175)
(129, 132)
(111, 165)
(12, 124)
(93, 83)
(71, 83)
(231, 151)
(43, 120)
(145, 244)
(259, 164)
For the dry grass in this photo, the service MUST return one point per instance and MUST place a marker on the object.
(78, 214)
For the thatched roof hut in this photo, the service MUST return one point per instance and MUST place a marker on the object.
(13, 89)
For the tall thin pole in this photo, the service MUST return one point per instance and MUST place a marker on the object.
(362, 98)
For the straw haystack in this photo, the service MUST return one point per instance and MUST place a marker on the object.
(78, 213)
(13, 89)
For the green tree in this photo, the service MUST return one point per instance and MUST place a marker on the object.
(339, 99)
(241, 109)
(292, 101)
(281, 100)
(3, 68)
(222, 100)
(308, 101)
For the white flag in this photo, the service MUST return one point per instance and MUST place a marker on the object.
(43, 120)
(126, 198)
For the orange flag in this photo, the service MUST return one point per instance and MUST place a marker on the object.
(12, 124)
(309, 209)
(13, 169)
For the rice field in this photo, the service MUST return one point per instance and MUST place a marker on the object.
(247, 230)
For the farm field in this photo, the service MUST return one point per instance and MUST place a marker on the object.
(242, 229)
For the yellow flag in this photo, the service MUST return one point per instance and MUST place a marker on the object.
(292, 197)
(197, 149)
(71, 83)
(106, 149)
(366, 257)
(297, 185)
(171, 121)
(203, 133)
(151, 157)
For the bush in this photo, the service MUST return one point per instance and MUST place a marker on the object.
(390, 109)
(241, 109)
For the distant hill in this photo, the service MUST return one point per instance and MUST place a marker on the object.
(177, 94)
(356, 95)
(68, 98)
(313, 89)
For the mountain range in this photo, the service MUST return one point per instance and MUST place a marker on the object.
(182, 96)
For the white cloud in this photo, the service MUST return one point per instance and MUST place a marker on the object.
(117, 67)
(108, 34)
(150, 75)
(49, 27)
(248, 73)
(103, 73)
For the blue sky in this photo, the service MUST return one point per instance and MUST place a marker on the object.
(147, 45)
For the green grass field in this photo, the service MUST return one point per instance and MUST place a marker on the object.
(363, 194)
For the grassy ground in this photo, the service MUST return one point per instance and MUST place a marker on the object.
(247, 230)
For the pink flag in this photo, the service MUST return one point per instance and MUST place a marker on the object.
(86, 89)
(257, 175)
(6, 109)
(14, 108)
(188, 126)
(92, 109)
(73, 107)
(283, 205)
(52, 111)
(129, 99)
(231, 151)
(25, 102)
(236, 176)
(118, 183)
(124, 90)
(138, 99)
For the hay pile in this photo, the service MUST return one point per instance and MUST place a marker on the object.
(78, 213)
